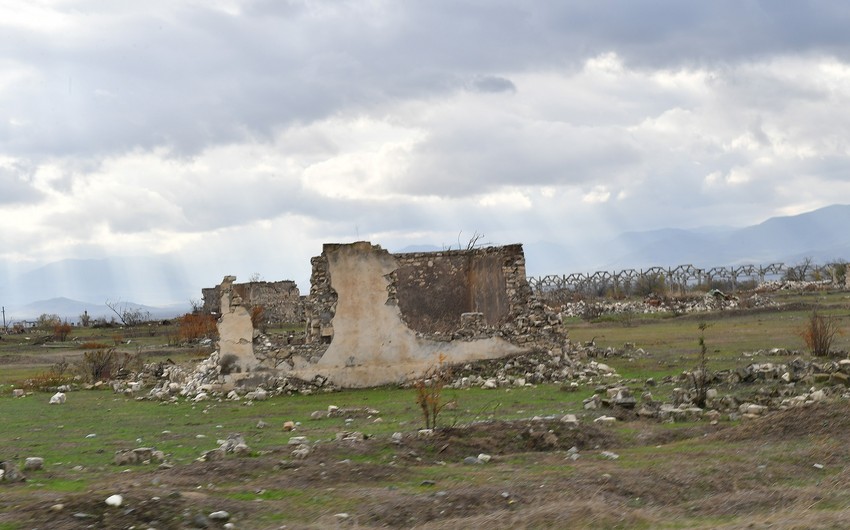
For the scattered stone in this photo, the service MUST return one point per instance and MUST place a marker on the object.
(114, 500)
(200, 521)
(397, 437)
(817, 466)
(33, 463)
(18, 392)
(471, 460)
(352, 436)
(219, 515)
(609, 455)
(58, 398)
(605, 420)
(298, 440)
(570, 419)
(289, 426)
(302, 451)
(262, 425)
(484, 458)
(10, 473)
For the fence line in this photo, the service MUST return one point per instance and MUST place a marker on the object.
(681, 277)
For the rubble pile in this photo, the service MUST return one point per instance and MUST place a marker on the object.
(712, 301)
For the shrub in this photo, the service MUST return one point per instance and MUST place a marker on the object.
(194, 326)
(49, 380)
(91, 345)
(648, 284)
(819, 333)
(105, 364)
(61, 331)
(47, 321)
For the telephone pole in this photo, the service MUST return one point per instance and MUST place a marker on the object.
(4, 318)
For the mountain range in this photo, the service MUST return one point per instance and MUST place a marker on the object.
(823, 235)
(71, 286)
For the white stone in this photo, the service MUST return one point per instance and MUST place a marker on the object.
(219, 515)
(298, 440)
(33, 463)
(114, 500)
(605, 420)
(18, 392)
(484, 457)
(58, 398)
(570, 419)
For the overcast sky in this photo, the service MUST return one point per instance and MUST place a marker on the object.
(238, 136)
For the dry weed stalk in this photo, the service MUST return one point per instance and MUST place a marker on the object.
(429, 392)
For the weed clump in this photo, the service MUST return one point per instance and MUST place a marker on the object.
(819, 333)
(429, 392)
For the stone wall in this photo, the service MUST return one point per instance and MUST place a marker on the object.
(433, 289)
(376, 318)
(281, 301)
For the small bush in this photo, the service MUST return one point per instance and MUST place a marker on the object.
(194, 326)
(61, 331)
(819, 333)
(106, 364)
(55, 377)
(91, 345)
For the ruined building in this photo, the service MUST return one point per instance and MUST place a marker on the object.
(376, 318)
(281, 301)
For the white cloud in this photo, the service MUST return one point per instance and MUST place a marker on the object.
(174, 126)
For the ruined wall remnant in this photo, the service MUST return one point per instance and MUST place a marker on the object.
(281, 301)
(434, 289)
(376, 318)
(236, 332)
(356, 327)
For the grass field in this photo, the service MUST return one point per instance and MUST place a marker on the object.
(786, 470)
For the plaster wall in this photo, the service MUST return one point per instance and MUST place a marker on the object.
(371, 344)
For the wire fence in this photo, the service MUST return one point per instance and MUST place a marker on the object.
(682, 279)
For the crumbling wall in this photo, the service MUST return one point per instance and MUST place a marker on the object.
(355, 320)
(376, 318)
(434, 289)
(236, 332)
(281, 301)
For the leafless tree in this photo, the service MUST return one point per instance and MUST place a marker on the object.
(129, 316)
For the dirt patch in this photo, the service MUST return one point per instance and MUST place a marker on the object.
(508, 437)
(817, 420)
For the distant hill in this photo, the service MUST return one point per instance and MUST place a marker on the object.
(156, 280)
(823, 235)
(71, 310)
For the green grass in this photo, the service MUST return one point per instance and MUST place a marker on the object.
(31, 427)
